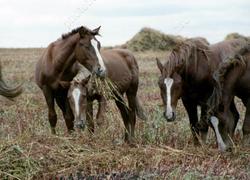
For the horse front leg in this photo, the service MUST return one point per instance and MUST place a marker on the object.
(203, 124)
(191, 109)
(50, 100)
(101, 110)
(63, 103)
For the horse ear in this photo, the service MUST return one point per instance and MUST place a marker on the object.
(159, 64)
(65, 84)
(96, 31)
(86, 80)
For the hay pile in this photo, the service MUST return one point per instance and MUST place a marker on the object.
(236, 36)
(150, 39)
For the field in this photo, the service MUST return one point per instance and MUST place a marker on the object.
(164, 150)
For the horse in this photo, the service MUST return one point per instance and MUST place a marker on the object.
(187, 74)
(9, 92)
(123, 72)
(57, 63)
(232, 79)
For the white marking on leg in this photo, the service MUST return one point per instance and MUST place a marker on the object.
(76, 96)
(215, 122)
(100, 60)
(169, 82)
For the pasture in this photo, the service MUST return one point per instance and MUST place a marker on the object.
(164, 150)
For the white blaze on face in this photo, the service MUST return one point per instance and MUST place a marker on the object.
(215, 122)
(168, 83)
(94, 43)
(76, 96)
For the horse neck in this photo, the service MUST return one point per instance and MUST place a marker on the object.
(65, 56)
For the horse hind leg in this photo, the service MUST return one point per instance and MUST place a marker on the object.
(246, 127)
(140, 112)
(124, 111)
(48, 94)
(132, 112)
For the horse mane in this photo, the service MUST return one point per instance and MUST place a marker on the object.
(181, 54)
(74, 31)
(219, 78)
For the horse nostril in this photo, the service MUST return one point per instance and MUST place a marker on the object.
(173, 115)
(100, 72)
(80, 125)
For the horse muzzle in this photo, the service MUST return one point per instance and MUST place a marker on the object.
(170, 116)
(80, 124)
(100, 72)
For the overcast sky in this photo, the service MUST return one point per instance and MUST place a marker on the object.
(36, 23)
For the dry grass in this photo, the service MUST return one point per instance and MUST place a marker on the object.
(165, 150)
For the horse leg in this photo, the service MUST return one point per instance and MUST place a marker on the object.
(48, 94)
(236, 117)
(89, 116)
(203, 125)
(132, 112)
(246, 126)
(101, 110)
(191, 109)
(222, 128)
(120, 103)
(62, 102)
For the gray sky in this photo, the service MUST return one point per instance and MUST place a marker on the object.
(36, 23)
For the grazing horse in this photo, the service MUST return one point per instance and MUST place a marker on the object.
(122, 70)
(187, 74)
(57, 63)
(6, 91)
(232, 79)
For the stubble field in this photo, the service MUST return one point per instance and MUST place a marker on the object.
(164, 150)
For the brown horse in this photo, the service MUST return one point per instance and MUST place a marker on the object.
(232, 79)
(6, 91)
(58, 64)
(187, 74)
(122, 70)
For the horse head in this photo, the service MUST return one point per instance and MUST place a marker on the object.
(171, 90)
(77, 97)
(87, 51)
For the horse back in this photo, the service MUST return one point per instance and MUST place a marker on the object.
(122, 67)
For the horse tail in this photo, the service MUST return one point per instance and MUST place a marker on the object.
(139, 110)
(219, 77)
(9, 92)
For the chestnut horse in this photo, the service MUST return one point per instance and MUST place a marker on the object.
(6, 91)
(123, 71)
(232, 79)
(57, 63)
(187, 74)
